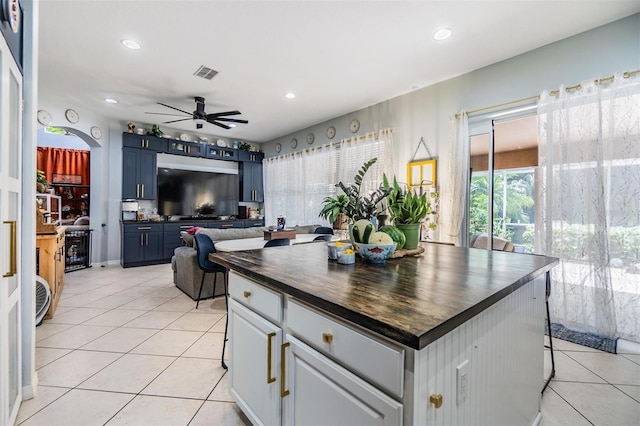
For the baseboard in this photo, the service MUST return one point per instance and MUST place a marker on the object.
(29, 391)
(628, 347)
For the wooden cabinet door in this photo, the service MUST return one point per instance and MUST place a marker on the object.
(153, 248)
(322, 392)
(130, 161)
(132, 247)
(148, 175)
(255, 382)
(257, 182)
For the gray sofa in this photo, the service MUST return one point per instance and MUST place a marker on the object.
(187, 274)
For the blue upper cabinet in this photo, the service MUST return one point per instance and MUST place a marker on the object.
(250, 156)
(152, 143)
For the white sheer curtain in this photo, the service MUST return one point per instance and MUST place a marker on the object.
(453, 195)
(296, 184)
(590, 205)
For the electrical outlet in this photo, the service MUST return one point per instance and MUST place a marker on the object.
(462, 381)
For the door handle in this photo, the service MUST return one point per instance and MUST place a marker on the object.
(283, 348)
(269, 358)
(13, 260)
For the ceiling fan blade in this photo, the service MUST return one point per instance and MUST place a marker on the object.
(232, 120)
(224, 126)
(177, 109)
(220, 114)
(163, 113)
(175, 121)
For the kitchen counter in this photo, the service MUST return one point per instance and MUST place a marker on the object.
(412, 301)
(454, 336)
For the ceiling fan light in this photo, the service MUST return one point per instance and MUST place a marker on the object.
(200, 120)
(231, 125)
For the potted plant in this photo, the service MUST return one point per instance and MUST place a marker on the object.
(407, 210)
(334, 210)
(41, 182)
(359, 206)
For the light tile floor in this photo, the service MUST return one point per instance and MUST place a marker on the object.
(127, 347)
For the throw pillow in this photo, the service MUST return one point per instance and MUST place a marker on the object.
(186, 238)
(192, 231)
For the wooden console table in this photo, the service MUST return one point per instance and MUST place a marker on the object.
(50, 264)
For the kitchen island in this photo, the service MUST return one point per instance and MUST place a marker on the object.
(454, 336)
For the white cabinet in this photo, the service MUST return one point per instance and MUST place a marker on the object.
(283, 380)
(254, 363)
(322, 392)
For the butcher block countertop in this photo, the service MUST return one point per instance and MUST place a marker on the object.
(413, 301)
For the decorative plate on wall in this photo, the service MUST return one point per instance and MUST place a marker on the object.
(331, 132)
(96, 133)
(72, 116)
(294, 143)
(44, 117)
(354, 126)
(278, 147)
(310, 138)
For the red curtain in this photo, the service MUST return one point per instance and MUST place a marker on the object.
(66, 163)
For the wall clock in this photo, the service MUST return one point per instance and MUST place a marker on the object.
(96, 132)
(44, 117)
(331, 132)
(310, 138)
(278, 147)
(354, 126)
(72, 116)
(294, 143)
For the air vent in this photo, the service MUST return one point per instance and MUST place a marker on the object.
(205, 72)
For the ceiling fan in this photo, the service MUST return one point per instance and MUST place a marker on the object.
(200, 117)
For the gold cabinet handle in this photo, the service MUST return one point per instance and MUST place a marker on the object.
(141, 239)
(142, 185)
(436, 400)
(246, 294)
(283, 348)
(137, 190)
(269, 358)
(13, 260)
(327, 338)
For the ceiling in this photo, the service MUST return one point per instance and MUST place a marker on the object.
(336, 56)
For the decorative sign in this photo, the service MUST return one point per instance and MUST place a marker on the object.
(72, 179)
(11, 10)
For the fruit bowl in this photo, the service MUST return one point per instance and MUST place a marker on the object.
(375, 253)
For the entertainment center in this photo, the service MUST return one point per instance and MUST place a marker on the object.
(189, 197)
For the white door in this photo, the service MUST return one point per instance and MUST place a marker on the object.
(10, 201)
(254, 364)
(323, 393)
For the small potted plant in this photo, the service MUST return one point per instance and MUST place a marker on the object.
(407, 210)
(41, 182)
(334, 210)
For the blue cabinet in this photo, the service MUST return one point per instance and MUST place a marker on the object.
(141, 244)
(152, 143)
(139, 174)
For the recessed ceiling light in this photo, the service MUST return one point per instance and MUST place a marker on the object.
(110, 100)
(290, 95)
(131, 44)
(442, 34)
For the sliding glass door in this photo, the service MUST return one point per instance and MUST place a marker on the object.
(504, 157)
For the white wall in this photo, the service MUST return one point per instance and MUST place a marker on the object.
(428, 112)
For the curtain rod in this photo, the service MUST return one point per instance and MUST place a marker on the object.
(331, 144)
(626, 74)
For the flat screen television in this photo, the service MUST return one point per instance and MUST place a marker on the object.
(197, 194)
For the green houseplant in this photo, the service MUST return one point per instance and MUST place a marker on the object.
(408, 210)
(360, 206)
(334, 210)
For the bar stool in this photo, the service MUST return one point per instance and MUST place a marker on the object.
(550, 345)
